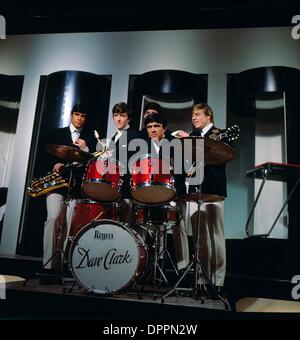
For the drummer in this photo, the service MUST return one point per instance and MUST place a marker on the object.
(75, 135)
(156, 127)
(212, 253)
(152, 107)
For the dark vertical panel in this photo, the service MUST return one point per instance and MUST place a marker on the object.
(167, 85)
(58, 92)
(245, 146)
(293, 154)
(10, 93)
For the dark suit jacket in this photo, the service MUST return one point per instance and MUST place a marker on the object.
(121, 145)
(179, 178)
(63, 136)
(214, 175)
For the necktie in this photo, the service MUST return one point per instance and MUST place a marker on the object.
(117, 136)
(75, 135)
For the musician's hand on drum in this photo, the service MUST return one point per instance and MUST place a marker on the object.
(81, 144)
(58, 167)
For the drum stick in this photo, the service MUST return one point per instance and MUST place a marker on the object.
(96, 219)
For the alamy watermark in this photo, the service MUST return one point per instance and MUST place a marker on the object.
(2, 288)
(2, 27)
(177, 157)
(296, 289)
(296, 29)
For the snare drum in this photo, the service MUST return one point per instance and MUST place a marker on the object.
(152, 180)
(165, 214)
(103, 179)
(86, 211)
(106, 257)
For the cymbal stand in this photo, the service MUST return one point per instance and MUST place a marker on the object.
(156, 269)
(198, 290)
(164, 254)
(195, 262)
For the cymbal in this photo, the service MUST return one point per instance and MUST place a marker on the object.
(68, 153)
(215, 152)
(206, 198)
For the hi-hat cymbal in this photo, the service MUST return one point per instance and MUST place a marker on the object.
(215, 152)
(206, 198)
(68, 153)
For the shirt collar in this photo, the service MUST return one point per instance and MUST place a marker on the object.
(124, 129)
(73, 128)
(206, 128)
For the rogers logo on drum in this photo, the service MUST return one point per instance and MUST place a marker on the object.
(102, 236)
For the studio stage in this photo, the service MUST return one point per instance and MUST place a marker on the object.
(258, 276)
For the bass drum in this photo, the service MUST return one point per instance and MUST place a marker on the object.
(106, 257)
(86, 211)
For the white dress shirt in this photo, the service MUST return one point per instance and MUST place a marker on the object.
(206, 129)
(120, 133)
(75, 133)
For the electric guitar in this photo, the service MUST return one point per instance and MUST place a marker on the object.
(230, 134)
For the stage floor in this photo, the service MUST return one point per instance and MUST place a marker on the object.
(63, 301)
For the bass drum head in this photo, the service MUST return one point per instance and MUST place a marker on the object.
(106, 256)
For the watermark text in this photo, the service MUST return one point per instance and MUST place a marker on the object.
(296, 29)
(296, 289)
(2, 288)
(2, 27)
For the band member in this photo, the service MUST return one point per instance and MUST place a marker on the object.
(153, 107)
(212, 254)
(74, 135)
(122, 117)
(156, 127)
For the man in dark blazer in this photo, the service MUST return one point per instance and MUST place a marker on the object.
(118, 146)
(212, 252)
(118, 149)
(156, 127)
(77, 136)
(152, 107)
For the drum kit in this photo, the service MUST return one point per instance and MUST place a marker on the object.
(104, 254)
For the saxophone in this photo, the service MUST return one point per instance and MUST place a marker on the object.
(52, 181)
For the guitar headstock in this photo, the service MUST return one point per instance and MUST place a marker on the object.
(233, 132)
